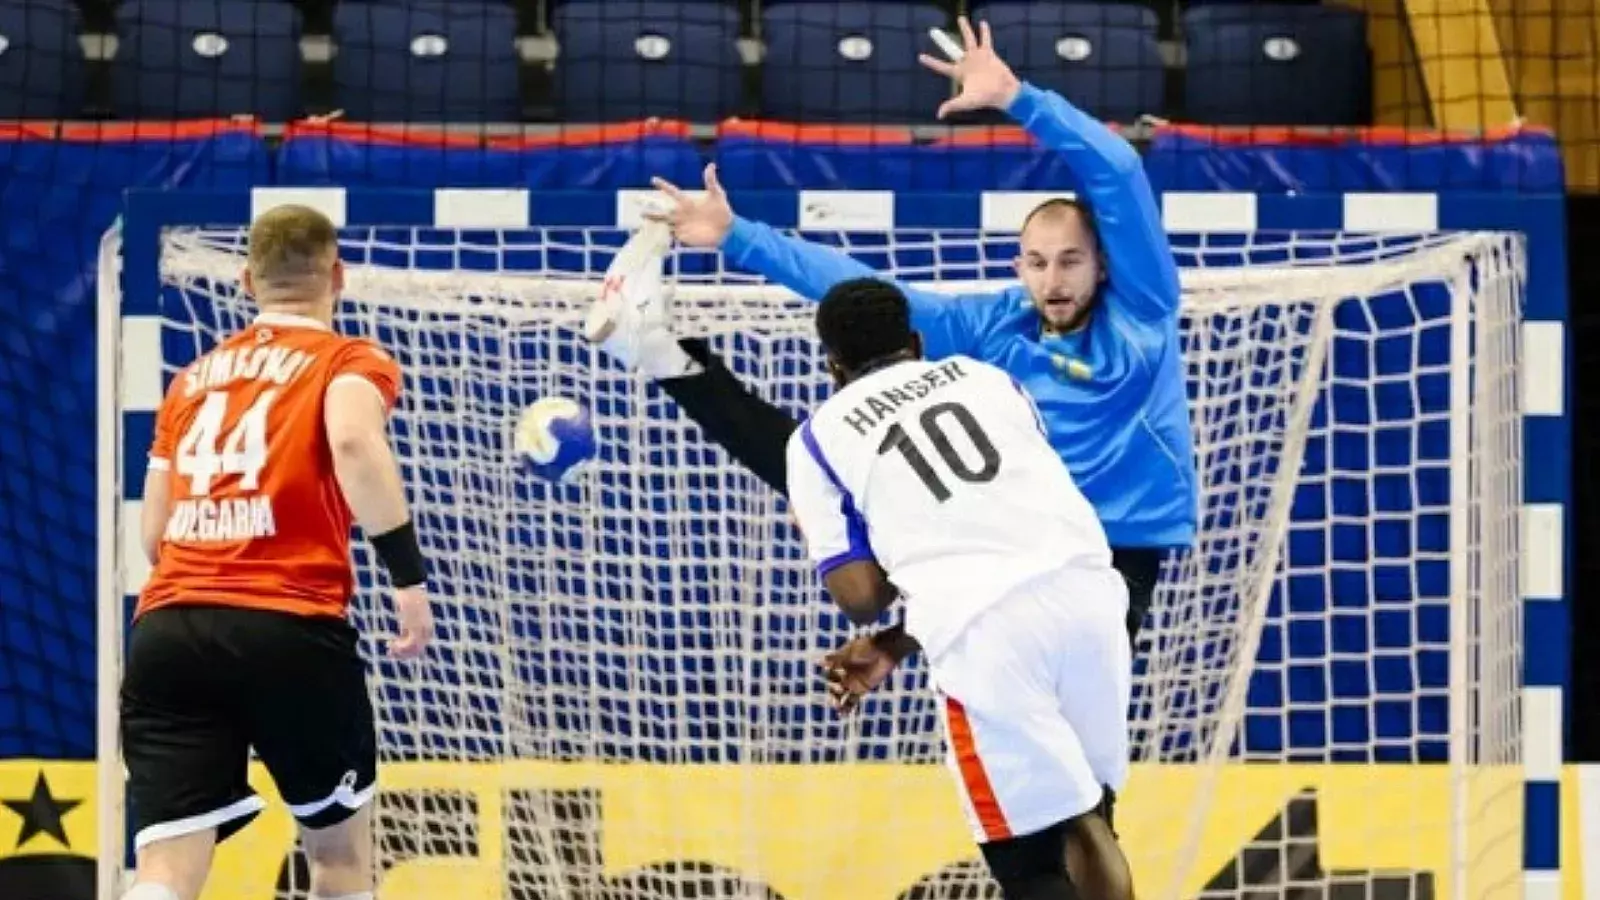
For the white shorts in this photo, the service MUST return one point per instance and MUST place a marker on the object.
(1034, 697)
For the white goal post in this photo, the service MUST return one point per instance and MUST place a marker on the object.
(623, 696)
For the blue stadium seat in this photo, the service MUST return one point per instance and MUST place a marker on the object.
(42, 68)
(828, 61)
(426, 61)
(630, 59)
(1276, 65)
(1104, 57)
(181, 59)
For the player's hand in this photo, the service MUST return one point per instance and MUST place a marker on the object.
(416, 622)
(986, 81)
(696, 222)
(854, 670)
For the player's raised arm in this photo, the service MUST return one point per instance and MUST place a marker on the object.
(835, 534)
(948, 323)
(1138, 257)
(356, 414)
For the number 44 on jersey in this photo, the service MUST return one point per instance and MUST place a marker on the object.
(204, 456)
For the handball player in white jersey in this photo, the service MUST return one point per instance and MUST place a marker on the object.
(933, 483)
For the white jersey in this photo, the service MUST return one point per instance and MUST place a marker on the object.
(942, 473)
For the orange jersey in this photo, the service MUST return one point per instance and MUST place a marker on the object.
(258, 519)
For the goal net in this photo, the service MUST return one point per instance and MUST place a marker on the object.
(623, 700)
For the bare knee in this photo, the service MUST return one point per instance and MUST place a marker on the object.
(179, 864)
(341, 856)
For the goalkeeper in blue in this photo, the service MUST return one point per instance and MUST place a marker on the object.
(1091, 333)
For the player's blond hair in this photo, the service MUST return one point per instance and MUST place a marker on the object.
(292, 250)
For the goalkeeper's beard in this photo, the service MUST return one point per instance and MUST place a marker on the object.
(1065, 315)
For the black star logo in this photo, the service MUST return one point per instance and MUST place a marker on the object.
(41, 813)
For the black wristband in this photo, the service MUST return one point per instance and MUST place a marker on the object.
(400, 554)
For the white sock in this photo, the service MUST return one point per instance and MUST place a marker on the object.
(146, 890)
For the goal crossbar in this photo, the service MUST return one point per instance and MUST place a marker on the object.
(564, 297)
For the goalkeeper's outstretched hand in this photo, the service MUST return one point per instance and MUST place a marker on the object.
(696, 221)
(986, 81)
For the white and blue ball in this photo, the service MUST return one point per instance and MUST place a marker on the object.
(554, 437)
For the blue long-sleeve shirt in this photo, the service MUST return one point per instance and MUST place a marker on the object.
(1112, 394)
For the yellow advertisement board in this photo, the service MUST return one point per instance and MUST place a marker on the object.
(850, 832)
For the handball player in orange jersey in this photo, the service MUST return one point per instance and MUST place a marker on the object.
(265, 450)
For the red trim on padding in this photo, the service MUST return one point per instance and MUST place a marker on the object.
(797, 133)
(95, 132)
(425, 136)
(988, 136)
(1372, 134)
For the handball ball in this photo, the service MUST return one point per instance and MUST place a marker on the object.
(554, 436)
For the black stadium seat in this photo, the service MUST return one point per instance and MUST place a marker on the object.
(1104, 57)
(43, 74)
(183, 59)
(850, 62)
(426, 61)
(628, 59)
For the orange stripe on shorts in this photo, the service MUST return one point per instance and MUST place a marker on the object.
(975, 779)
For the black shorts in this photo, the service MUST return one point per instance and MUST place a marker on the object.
(203, 684)
(1141, 569)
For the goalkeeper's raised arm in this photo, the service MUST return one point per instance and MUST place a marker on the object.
(947, 324)
(1135, 260)
(1091, 332)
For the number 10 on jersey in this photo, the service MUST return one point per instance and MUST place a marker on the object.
(898, 438)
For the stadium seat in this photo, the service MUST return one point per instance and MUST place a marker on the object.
(42, 68)
(1276, 65)
(1104, 57)
(181, 59)
(630, 59)
(850, 62)
(426, 61)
